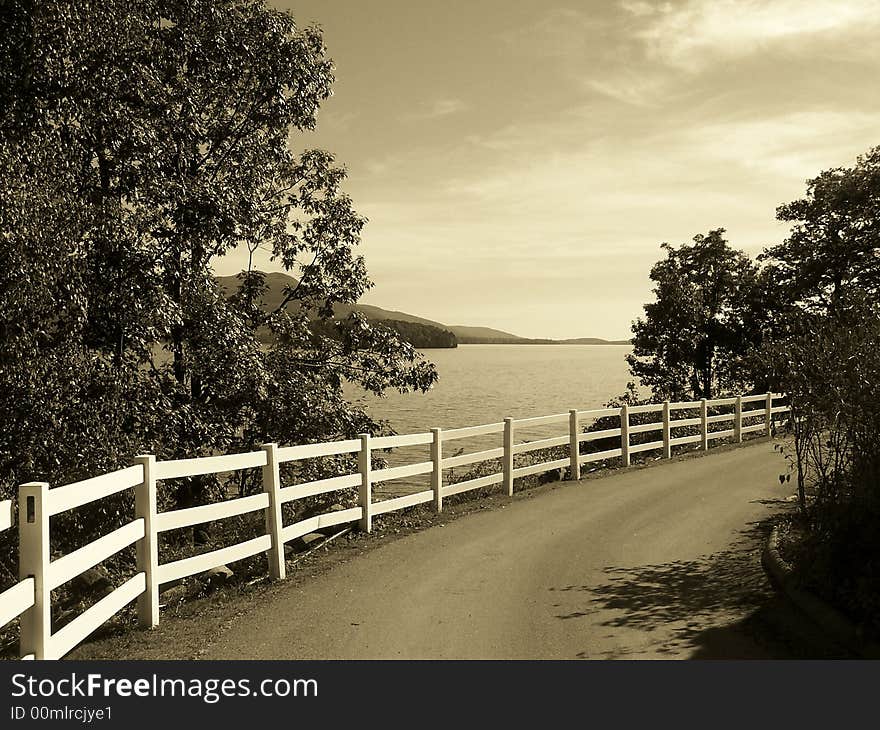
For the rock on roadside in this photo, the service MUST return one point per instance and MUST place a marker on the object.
(218, 576)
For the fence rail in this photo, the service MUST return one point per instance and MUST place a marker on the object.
(30, 598)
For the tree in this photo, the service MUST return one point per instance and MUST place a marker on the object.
(823, 354)
(834, 247)
(703, 321)
(139, 142)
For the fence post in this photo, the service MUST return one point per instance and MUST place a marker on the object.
(769, 416)
(507, 465)
(437, 474)
(33, 559)
(274, 521)
(704, 424)
(738, 420)
(366, 490)
(624, 434)
(574, 467)
(147, 547)
(667, 432)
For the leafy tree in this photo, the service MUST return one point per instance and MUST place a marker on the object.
(834, 247)
(704, 318)
(139, 141)
(822, 352)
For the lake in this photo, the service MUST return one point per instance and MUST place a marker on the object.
(486, 383)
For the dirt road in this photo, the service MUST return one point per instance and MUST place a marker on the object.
(659, 562)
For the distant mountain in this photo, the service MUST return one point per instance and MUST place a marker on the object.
(275, 282)
(464, 334)
(593, 341)
(379, 314)
(489, 336)
(419, 332)
(479, 335)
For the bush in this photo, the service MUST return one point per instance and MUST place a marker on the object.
(830, 367)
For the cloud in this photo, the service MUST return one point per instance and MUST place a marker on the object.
(635, 88)
(437, 108)
(559, 32)
(639, 7)
(659, 49)
(793, 146)
(338, 121)
(699, 31)
(577, 194)
(600, 51)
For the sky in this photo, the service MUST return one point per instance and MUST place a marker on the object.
(520, 162)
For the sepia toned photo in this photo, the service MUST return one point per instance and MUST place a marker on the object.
(409, 330)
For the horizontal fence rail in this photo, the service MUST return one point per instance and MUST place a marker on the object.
(19, 599)
(30, 599)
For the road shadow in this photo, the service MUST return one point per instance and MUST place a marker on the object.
(776, 630)
(720, 606)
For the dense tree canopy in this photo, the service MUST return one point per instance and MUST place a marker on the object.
(139, 141)
(703, 320)
(833, 251)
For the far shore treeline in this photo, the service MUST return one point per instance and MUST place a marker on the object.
(420, 332)
(140, 142)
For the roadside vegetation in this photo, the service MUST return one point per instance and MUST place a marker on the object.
(830, 366)
(803, 319)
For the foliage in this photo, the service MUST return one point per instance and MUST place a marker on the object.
(822, 351)
(830, 369)
(833, 251)
(703, 321)
(420, 336)
(139, 141)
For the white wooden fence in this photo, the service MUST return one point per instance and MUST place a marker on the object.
(30, 598)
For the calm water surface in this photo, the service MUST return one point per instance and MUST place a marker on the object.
(487, 383)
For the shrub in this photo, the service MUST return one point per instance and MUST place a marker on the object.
(830, 367)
